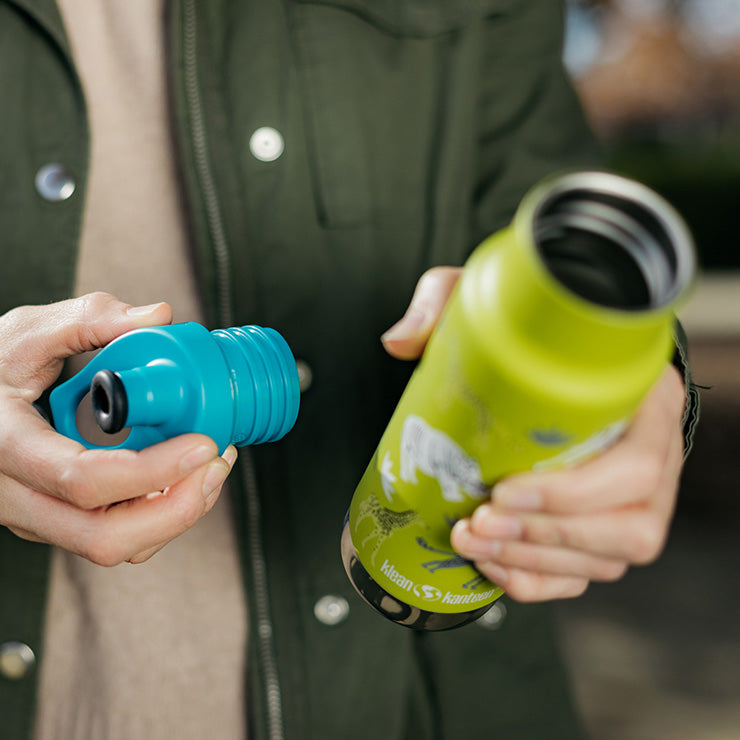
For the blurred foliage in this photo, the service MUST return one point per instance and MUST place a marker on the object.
(701, 179)
(692, 154)
(606, 4)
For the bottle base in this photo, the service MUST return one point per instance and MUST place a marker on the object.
(393, 608)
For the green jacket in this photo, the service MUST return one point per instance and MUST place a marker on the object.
(412, 128)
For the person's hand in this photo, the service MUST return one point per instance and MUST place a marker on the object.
(108, 506)
(547, 535)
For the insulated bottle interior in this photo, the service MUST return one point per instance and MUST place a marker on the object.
(612, 249)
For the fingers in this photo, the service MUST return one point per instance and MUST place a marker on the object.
(42, 460)
(176, 510)
(623, 475)
(550, 560)
(547, 535)
(528, 586)
(97, 503)
(36, 338)
(531, 573)
(407, 338)
(635, 534)
(133, 530)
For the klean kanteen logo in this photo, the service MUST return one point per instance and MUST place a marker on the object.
(467, 598)
(423, 591)
(393, 575)
(428, 593)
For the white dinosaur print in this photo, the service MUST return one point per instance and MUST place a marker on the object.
(438, 456)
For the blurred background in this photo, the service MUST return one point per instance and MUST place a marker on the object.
(657, 656)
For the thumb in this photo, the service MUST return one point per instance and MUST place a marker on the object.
(35, 339)
(94, 320)
(407, 338)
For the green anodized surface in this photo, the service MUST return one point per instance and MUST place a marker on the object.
(523, 371)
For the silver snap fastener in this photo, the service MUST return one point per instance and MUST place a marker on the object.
(331, 610)
(54, 183)
(266, 144)
(493, 618)
(16, 660)
(305, 375)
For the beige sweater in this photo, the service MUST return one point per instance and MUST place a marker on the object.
(154, 650)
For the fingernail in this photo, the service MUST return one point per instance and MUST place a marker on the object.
(475, 548)
(230, 455)
(509, 497)
(460, 533)
(195, 458)
(487, 523)
(143, 310)
(215, 477)
(408, 326)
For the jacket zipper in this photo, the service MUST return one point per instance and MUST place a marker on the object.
(203, 166)
(262, 605)
(265, 647)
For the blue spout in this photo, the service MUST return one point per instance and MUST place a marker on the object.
(238, 386)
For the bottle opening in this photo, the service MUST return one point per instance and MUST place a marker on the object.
(109, 401)
(101, 401)
(613, 242)
(89, 428)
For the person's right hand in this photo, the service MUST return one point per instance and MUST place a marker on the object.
(108, 506)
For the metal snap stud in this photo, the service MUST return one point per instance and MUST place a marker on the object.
(54, 183)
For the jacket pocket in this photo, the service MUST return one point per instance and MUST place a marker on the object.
(372, 74)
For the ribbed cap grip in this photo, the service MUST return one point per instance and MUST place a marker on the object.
(265, 383)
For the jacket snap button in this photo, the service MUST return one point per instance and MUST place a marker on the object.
(266, 144)
(54, 183)
(493, 618)
(16, 660)
(305, 375)
(331, 610)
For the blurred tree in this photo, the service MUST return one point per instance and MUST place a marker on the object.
(667, 4)
(661, 85)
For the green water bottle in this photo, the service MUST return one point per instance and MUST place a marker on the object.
(559, 326)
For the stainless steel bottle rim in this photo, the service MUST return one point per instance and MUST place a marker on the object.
(634, 227)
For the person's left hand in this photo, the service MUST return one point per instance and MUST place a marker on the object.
(547, 535)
